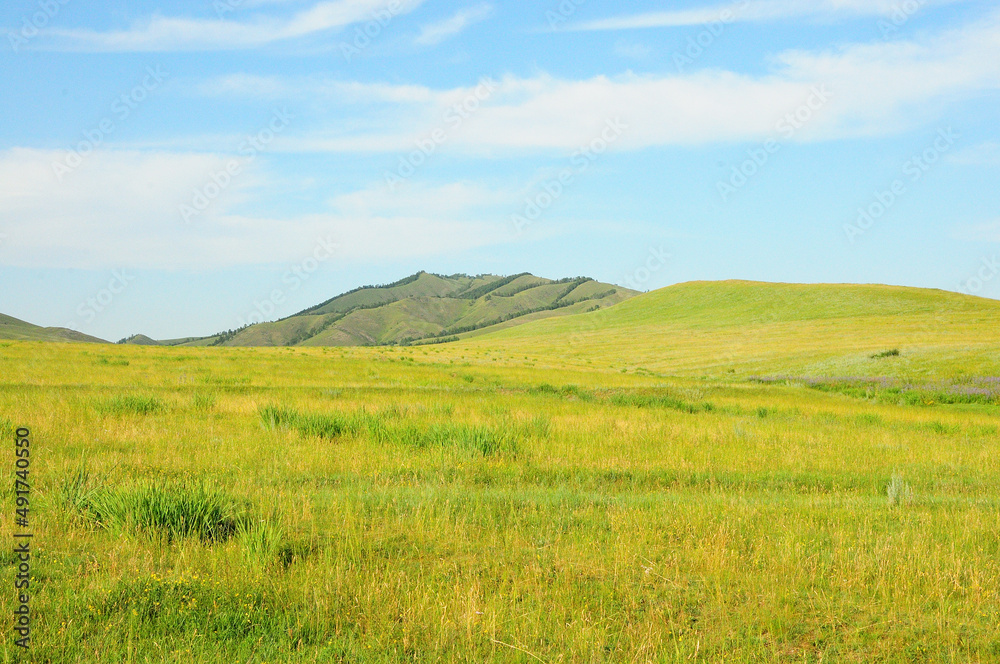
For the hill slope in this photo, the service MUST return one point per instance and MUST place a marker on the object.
(748, 328)
(425, 308)
(14, 328)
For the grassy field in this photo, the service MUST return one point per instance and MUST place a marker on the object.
(727, 473)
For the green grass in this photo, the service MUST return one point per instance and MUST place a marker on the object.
(172, 512)
(429, 308)
(129, 404)
(516, 498)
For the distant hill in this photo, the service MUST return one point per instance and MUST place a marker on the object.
(142, 340)
(753, 328)
(14, 328)
(427, 308)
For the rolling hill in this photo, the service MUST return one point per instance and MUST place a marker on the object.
(751, 328)
(426, 308)
(14, 328)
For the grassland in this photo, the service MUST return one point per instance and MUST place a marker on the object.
(711, 473)
(14, 328)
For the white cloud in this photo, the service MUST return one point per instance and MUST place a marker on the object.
(435, 33)
(984, 154)
(875, 89)
(748, 10)
(985, 232)
(632, 50)
(121, 209)
(161, 33)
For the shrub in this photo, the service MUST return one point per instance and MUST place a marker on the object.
(886, 353)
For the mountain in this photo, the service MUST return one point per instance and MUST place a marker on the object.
(14, 328)
(751, 328)
(427, 308)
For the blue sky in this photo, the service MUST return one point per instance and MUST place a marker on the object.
(180, 168)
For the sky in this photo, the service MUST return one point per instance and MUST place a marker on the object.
(181, 168)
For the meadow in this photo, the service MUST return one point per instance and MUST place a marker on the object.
(495, 500)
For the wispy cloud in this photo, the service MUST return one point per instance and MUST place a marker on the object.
(747, 10)
(162, 33)
(120, 209)
(984, 232)
(435, 33)
(874, 89)
(984, 154)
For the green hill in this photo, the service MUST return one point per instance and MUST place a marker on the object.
(143, 340)
(14, 328)
(427, 308)
(750, 328)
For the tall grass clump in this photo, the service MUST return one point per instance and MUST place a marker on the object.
(276, 417)
(203, 401)
(261, 541)
(75, 491)
(477, 440)
(112, 362)
(660, 401)
(898, 492)
(129, 404)
(321, 425)
(174, 512)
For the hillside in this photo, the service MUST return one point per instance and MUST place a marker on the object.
(16, 329)
(751, 328)
(426, 308)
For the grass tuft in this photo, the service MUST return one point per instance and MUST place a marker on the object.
(660, 401)
(898, 492)
(203, 401)
(173, 512)
(129, 404)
